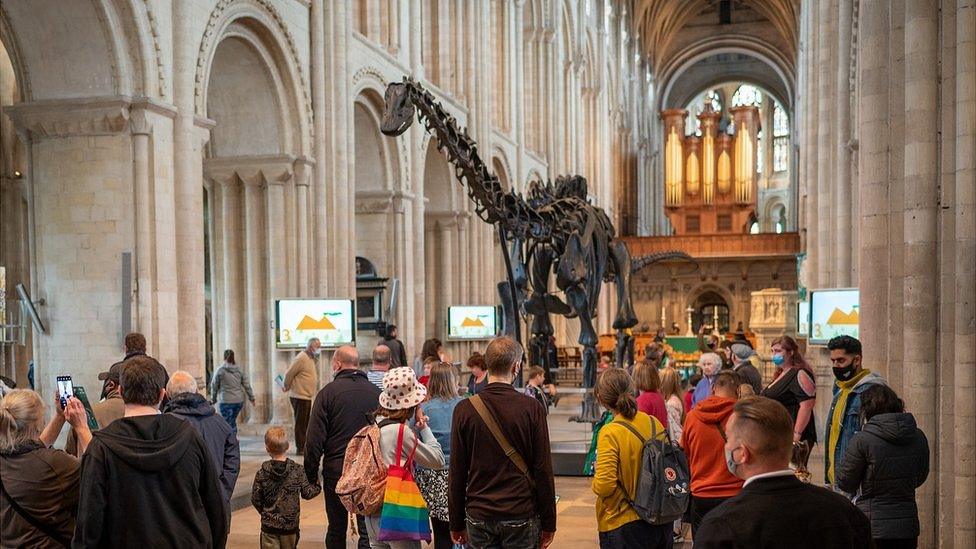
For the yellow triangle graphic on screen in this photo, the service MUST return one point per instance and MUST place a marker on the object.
(309, 323)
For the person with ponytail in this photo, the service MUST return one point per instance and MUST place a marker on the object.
(38, 484)
(618, 462)
(228, 389)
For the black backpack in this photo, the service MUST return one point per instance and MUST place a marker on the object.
(663, 482)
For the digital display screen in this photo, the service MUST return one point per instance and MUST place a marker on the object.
(471, 322)
(333, 321)
(803, 319)
(834, 313)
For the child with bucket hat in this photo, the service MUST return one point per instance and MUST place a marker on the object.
(402, 447)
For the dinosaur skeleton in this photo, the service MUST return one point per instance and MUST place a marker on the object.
(556, 229)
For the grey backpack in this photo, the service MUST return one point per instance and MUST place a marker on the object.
(663, 482)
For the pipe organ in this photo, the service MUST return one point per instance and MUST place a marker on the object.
(710, 181)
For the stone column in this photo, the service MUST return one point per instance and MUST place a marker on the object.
(873, 182)
(464, 259)
(276, 180)
(842, 244)
(255, 298)
(319, 196)
(920, 226)
(825, 133)
(809, 276)
(963, 439)
(303, 230)
(83, 167)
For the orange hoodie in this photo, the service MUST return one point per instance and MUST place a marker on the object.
(705, 448)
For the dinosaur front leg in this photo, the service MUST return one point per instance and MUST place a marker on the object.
(626, 319)
(588, 339)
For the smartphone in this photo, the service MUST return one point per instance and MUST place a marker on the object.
(65, 390)
(82, 395)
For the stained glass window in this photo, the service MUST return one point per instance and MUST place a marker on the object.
(781, 121)
(747, 94)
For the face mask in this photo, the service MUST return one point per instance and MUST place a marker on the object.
(845, 373)
(730, 461)
(778, 359)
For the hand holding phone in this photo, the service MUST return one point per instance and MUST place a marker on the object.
(65, 390)
(74, 413)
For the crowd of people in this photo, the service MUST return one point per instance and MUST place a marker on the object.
(413, 453)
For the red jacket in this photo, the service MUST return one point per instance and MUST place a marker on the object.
(705, 447)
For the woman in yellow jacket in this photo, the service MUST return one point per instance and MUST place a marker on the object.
(618, 462)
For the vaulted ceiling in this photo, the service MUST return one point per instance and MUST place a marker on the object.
(661, 23)
(683, 39)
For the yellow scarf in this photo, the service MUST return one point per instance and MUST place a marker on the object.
(838, 418)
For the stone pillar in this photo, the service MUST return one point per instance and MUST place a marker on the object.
(82, 169)
(319, 196)
(873, 182)
(155, 296)
(841, 220)
(302, 229)
(920, 226)
(825, 133)
(963, 438)
(255, 298)
(464, 240)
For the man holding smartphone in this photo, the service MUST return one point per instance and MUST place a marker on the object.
(149, 469)
(109, 409)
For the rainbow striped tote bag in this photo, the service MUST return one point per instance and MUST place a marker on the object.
(404, 515)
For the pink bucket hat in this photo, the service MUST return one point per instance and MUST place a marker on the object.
(401, 390)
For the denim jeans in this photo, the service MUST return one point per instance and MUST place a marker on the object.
(230, 411)
(504, 534)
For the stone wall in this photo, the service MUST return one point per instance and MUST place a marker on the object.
(888, 196)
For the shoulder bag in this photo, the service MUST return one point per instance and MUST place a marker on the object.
(510, 451)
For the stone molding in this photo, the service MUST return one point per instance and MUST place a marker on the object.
(383, 201)
(211, 38)
(86, 116)
(257, 170)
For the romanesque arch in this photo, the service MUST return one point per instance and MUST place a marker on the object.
(256, 195)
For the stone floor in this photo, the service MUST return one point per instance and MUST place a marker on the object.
(575, 513)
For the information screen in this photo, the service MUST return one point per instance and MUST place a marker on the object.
(803, 319)
(471, 322)
(333, 321)
(834, 313)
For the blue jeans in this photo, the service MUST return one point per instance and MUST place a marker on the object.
(504, 534)
(229, 412)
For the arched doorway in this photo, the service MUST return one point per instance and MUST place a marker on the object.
(710, 307)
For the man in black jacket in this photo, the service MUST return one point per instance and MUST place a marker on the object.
(186, 403)
(774, 509)
(147, 479)
(341, 409)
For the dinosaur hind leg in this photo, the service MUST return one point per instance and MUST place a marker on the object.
(588, 339)
(626, 318)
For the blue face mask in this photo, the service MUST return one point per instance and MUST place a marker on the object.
(730, 461)
(778, 359)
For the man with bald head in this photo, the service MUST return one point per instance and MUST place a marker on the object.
(186, 403)
(774, 508)
(340, 410)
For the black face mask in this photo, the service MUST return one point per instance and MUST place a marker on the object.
(845, 373)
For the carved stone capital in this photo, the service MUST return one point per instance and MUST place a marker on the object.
(71, 117)
(383, 201)
(143, 111)
(257, 170)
